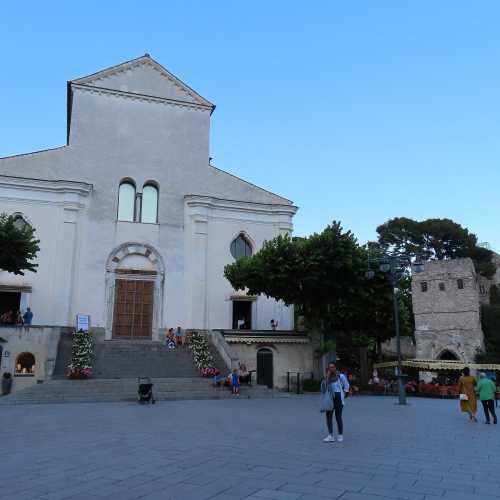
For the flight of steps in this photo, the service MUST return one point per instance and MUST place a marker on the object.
(131, 359)
(116, 368)
(114, 390)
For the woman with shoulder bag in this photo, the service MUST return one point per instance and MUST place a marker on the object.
(468, 400)
(334, 388)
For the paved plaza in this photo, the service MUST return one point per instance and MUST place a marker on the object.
(254, 449)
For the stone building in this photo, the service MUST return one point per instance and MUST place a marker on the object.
(446, 307)
(136, 225)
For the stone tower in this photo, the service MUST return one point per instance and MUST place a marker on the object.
(446, 306)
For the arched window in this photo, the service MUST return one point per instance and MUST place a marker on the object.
(149, 209)
(25, 364)
(20, 222)
(126, 201)
(240, 247)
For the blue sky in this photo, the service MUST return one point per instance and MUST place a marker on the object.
(357, 111)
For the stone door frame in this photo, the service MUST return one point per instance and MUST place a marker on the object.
(113, 273)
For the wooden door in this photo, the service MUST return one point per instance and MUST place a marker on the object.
(265, 367)
(133, 315)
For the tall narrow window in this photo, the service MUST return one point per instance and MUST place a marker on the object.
(149, 209)
(423, 286)
(126, 201)
(460, 284)
(20, 222)
(240, 247)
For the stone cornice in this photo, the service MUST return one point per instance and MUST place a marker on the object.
(141, 97)
(51, 186)
(267, 339)
(194, 200)
(145, 60)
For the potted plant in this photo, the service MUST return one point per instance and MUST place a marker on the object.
(6, 383)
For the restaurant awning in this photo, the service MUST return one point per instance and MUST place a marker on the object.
(437, 364)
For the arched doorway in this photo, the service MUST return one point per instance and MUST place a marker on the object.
(447, 355)
(25, 364)
(134, 292)
(448, 377)
(265, 367)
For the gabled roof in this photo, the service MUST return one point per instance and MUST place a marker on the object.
(143, 76)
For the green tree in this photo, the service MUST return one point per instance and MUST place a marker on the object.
(18, 246)
(437, 239)
(319, 274)
(490, 324)
(494, 295)
(323, 276)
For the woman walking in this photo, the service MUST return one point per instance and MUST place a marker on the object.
(486, 389)
(466, 389)
(333, 390)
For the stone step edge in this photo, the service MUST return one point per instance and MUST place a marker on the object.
(134, 400)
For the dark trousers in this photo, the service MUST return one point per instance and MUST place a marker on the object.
(337, 408)
(489, 407)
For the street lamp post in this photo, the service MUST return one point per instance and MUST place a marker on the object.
(394, 265)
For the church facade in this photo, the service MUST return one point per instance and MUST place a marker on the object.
(135, 225)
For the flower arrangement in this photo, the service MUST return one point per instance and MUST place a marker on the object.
(201, 354)
(81, 356)
(209, 372)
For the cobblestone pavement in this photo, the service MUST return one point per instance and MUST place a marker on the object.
(254, 449)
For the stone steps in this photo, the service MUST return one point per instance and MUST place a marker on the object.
(114, 390)
(131, 359)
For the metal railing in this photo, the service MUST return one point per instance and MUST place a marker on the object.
(297, 379)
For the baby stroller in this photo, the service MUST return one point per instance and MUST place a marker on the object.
(145, 390)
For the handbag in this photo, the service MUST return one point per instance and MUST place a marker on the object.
(464, 397)
(326, 399)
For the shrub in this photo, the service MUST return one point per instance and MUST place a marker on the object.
(311, 385)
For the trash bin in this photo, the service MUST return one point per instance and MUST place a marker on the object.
(6, 383)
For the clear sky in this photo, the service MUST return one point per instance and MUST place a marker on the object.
(357, 111)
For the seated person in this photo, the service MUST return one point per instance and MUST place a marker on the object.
(7, 317)
(218, 380)
(170, 339)
(178, 336)
(244, 374)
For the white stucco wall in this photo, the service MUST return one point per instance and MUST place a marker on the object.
(42, 342)
(116, 135)
(286, 358)
(211, 225)
(57, 211)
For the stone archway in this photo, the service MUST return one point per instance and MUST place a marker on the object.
(448, 355)
(135, 275)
